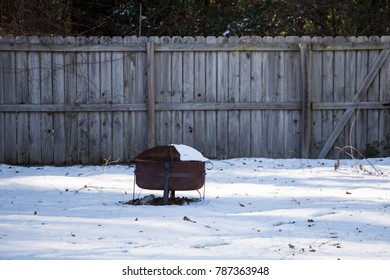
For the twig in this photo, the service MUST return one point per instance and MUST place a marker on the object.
(296, 201)
(108, 162)
(301, 162)
(351, 155)
(88, 187)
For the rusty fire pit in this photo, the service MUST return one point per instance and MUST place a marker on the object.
(170, 168)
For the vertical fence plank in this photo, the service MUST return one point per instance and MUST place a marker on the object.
(317, 81)
(339, 93)
(222, 96)
(372, 145)
(34, 85)
(327, 91)
(129, 91)
(153, 70)
(9, 77)
(279, 135)
(234, 97)
(3, 56)
(163, 94)
(384, 115)
(361, 115)
(106, 98)
(277, 90)
(211, 96)
(142, 96)
(292, 93)
(349, 92)
(59, 98)
(178, 125)
(245, 96)
(188, 94)
(81, 95)
(200, 96)
(94, 97)
(257, 95)
(273, 88)
(23, 143)
(47, 98)
(306, 98)
(268, 90)
(117, 98)
(70, 92)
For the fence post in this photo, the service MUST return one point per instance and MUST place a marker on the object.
(151, 132)
(306, 99)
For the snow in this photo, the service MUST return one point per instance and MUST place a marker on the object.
(188, 153)
(254, 208)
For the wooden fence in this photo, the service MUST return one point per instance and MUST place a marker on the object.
(89, 100)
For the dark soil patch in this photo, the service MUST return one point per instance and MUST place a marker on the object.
(157, 201)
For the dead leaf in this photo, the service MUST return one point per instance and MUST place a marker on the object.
(185, 218)
(242, 205)
(348, 192)
(291, 246)
(336, 165)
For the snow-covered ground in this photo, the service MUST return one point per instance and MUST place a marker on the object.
(254, 208)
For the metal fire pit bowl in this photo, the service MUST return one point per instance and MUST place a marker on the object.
(160, 168)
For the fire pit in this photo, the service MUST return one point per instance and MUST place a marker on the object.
(170, 168)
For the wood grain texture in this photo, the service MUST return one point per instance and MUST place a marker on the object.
(89, 100)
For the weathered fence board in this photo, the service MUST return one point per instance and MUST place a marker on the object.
(35, 117)
(211, 96)
(58, 129)
(9, 74)
(256, 96)
(2, 115)
(384, 96)
(222, 128)
(118, 94)
(245, 61)
(200, 78)
(92, 100)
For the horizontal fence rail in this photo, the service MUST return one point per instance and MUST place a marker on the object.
(93, 100)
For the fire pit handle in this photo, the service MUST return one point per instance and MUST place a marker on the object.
(212, 165)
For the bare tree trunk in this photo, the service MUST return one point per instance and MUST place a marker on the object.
(68, 22)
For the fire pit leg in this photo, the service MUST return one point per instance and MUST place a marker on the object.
(166, 182)
(172, 194)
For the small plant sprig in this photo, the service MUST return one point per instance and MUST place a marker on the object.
(353, 149)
